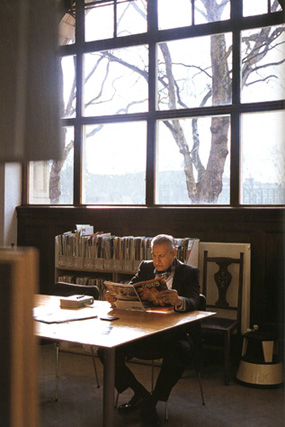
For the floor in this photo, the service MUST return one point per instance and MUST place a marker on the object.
(80, 401)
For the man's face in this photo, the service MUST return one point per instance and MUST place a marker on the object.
(162, 256)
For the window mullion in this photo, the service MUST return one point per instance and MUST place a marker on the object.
(236, 9)
(115, 19)
(235, 160)
(235, 124)
(236, 12)
(150, 162)
(151, 130)
(80, 16)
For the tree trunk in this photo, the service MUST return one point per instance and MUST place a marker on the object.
(211, 184)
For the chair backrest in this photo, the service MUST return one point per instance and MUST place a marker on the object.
(223, 283)
(68, 289)
(202, 303)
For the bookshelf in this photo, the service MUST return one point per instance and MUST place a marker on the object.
(92, 259)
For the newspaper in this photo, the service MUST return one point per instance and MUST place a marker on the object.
(143, 296)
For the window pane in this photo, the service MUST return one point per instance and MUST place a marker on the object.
(254, 7)
(131, 17)
(211, 11)
(69, 85)
(99, 21)
(174, 14)
(193, 161)
(259, 7)
(114, 163)
(51, 182)
(263, 158)
(275, 5)
(263, 58)
(195, 72)
(116, 82)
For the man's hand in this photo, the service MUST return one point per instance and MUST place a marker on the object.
(110, 298)
(170, 296)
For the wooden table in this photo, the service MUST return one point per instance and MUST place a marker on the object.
(131, 326)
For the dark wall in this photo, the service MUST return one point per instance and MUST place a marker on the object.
(262, 227)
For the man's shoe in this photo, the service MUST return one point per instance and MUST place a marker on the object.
(135, 402)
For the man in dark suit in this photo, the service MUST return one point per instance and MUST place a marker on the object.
(175, 346)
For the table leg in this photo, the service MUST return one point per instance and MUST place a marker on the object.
(109, 387)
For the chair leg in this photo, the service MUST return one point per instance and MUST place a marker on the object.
(56, 370)
(166, 411)
(227, 358)
(117, 400)
(95, 368)
(152, 375)
(200, 385)
(152, 387)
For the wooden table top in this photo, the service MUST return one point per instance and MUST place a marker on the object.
(130, 326)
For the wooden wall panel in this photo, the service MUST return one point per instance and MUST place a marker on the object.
(262, 228)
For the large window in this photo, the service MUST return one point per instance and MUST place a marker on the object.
(169, 103)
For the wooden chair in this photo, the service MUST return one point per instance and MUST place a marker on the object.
(65, 290)
(228, 304)
(195, 363)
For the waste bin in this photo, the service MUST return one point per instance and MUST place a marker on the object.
(261, 363)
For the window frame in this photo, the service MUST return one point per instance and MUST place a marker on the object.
(236, 24)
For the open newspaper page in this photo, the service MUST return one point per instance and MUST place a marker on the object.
(126, 296)
(140, 296)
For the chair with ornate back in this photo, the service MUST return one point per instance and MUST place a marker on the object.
(65, 290)
(224, 295)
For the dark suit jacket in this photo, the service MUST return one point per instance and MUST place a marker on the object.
(185, 281)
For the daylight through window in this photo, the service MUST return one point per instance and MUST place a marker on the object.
(165, 104)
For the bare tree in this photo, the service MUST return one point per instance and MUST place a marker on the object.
(203, 182)
(208, 185)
